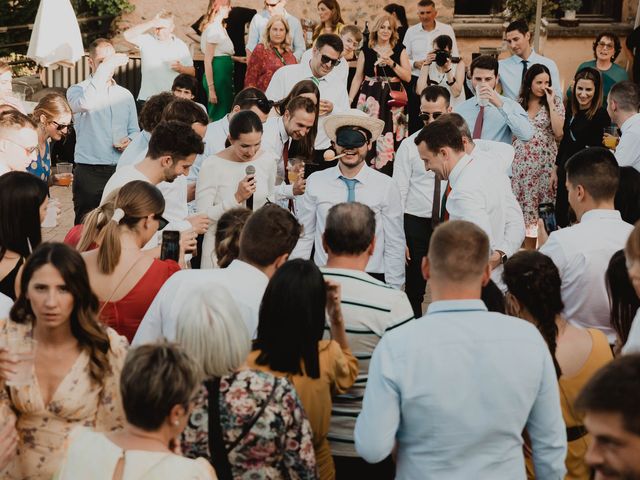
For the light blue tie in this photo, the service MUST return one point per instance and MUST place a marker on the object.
(351, 188)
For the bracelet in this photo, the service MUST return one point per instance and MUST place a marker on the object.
(448, 71)
(451, 83)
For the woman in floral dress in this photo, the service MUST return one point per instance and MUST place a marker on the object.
(382, 67)
(279, 444)
(534, 160)
(76, 373)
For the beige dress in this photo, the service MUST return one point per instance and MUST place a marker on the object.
(93, 456)
(43, 429)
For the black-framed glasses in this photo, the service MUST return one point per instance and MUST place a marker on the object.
(162, 222)
(28, 151)
(62, 126)
(426, 116)
(324, 59)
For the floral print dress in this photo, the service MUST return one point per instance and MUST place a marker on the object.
(279, 445)
(532, 167)
(373, 99)
(78, 401)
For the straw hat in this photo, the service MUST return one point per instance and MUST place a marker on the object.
(353, 118)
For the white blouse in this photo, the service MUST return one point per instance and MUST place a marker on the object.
(216, 34)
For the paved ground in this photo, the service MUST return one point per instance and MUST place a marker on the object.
(65, 219)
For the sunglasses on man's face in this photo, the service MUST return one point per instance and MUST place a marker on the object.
(326, 59)
(426, 116)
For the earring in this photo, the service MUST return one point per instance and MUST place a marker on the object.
(176, 423)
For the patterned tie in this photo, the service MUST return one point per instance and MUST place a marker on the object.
(445, 213)
(477, 129)
(351, 188)
(524, 70)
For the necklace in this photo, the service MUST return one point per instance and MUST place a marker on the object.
(148, 438)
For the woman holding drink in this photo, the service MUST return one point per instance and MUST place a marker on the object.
(583, 126)
(69, 363)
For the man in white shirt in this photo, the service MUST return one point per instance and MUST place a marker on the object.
(622, 106)
(266, 241)
(298, 119)
(512, 69)
(454, 390)
(333, 91)
(352, 180)
(582, 252)
(260, 20)
(163, 55)
(172, 149)
(632, 257)
(18, 141)
(421, 200)
(419, 43)
(370, 309)
(476, 192)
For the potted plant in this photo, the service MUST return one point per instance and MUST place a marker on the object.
(569, 7)
(526, 9)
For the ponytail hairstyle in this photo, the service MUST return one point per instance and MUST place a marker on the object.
(85, 327)
(135, 201)
(95, 221)
(533, 279)
(228, 231)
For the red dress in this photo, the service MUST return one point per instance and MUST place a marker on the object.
(262, 65)
(125, 315)
(73, 236)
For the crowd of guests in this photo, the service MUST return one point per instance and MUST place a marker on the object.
(286, 335)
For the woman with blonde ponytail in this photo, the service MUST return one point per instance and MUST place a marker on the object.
(53, 116)
(124, 277)
(86, 235)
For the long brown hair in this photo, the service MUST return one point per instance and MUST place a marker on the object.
(85, 326)
(137, 200)
(587, 73)
(336, 16)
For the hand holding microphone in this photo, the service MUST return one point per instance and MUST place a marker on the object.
(247, 187)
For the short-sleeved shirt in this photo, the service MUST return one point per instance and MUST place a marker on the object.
(157, 57)
(217, 35)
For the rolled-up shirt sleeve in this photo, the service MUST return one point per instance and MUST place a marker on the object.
(517, 119)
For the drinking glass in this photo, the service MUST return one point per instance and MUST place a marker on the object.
(611, 137)
(64, 173)
(295, 169)
(23, 351)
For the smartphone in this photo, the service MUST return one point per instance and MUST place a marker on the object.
(170, 249)
(547, 212)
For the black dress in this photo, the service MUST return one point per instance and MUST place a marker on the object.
(373, 98)
(8, 283)
(579, 133)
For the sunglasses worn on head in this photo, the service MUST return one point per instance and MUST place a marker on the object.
(426, 116)
(262, 103)
(326, 59)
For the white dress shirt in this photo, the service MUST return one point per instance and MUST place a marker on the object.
(455, 389)
(274, 138)
(419, 42)
(136, 150)
(414, 181)
(325, 189)
(633, 340)
(216, 188)
(510, 71)
(331, 88)
(245, 283)
(628, 150)
(121, 177)
(498, 154)
(582, 253)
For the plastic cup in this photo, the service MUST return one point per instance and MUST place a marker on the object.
(64, 173)
(23, 351)
(483, 102)
(611, 138)
(51, 220)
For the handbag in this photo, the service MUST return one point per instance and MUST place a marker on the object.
(218, 451)
(397, 98)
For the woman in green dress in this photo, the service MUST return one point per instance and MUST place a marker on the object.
(218, 49)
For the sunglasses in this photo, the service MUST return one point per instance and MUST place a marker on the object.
(62, 126)
(324, 59)
(262, 103)
(605, 45)
(426, 116)
(162, 222)
(28, 151)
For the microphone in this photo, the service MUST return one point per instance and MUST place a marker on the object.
(250, 170)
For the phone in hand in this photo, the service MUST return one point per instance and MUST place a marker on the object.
(547, 212)
(170, 249)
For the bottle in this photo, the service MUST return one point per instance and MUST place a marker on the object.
(365, 34)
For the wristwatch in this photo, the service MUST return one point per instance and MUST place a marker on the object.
(503, 257)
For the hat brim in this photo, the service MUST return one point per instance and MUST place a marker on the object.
(374, 126)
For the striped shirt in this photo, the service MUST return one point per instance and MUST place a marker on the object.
(370, 308)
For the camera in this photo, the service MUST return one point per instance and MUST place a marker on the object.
(442, 56)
